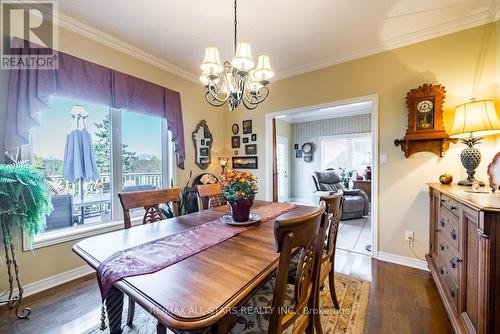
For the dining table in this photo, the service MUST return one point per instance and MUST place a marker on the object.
(200, 293)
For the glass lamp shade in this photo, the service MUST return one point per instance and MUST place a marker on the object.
(263, 71)
(477, 118)
(211, 62)
(243, 58)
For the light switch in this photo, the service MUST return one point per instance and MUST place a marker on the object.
(383, 158)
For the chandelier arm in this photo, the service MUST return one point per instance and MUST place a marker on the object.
(214, 94)
(259, 98)
(213, 102)
(249, 105)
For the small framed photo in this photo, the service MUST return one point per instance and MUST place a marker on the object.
(296, 146)
(244, 162)
(207, 142)
(203, 142)
(235, 152)
(204, 152)
(235, 142)
(298, 154)
(247, 127)
(235, 129)
(245, 140)
(254, 137)
(251, 149)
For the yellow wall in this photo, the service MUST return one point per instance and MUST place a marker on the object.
(464, 62)
(49, 261)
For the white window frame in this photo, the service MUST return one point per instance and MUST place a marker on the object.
(322, 140)
(51, 238)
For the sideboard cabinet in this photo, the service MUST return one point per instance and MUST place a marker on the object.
(464, 256)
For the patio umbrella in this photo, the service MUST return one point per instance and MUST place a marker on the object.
(79, 161)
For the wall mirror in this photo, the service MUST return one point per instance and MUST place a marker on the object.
(202, 139)
(494, 173)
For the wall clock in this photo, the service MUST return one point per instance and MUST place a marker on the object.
(425, 131)
(307, 150)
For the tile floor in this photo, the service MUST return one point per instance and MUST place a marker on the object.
(355, 234)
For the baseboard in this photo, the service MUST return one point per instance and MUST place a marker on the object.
(53, 281)
(403, 260)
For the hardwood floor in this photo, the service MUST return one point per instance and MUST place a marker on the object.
(402, 300)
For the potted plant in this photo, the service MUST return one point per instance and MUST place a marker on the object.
(24, 199)
(24, 202)
(239, 189)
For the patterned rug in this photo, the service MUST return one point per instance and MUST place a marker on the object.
(350, 319)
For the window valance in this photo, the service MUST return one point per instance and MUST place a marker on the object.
(30, 90)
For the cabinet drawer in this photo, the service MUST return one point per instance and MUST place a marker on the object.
(449, 228)
(450, 204)
(448, 257)
(449, 286)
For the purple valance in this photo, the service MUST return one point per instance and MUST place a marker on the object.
(30, 90)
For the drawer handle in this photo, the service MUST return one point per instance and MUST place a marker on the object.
(441, 270)
(452, 293)
(437, 230)
(441, 246)
(442, 222)
(454, 261)
(453, 234)
(453, 208)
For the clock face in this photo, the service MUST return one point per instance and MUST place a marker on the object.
(425, 115)
(307, 148)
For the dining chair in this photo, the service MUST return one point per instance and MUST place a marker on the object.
(209, 196)
(333, 214)
(289, 305)
(149, 200)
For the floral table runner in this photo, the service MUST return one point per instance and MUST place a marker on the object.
(158, 254)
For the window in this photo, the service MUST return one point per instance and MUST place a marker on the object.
(352, 152)
(131, 154)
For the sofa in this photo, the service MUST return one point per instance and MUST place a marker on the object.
(356, 202)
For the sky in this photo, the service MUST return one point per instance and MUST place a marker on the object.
(141, 133)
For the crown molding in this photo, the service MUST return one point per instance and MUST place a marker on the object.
(305, 119)
(117, 44)
(489, 15)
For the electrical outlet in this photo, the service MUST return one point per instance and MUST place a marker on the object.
(409, 236)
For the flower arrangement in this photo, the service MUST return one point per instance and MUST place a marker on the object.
(238, 185)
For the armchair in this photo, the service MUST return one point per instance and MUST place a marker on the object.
(356, 201)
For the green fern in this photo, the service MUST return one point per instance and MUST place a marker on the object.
(24, 198)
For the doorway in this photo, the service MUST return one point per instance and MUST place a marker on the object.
(354, 153)
(282, 166)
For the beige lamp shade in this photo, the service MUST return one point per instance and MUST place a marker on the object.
(243, 58)
(211, 62)
(263, 71)
(477, 118)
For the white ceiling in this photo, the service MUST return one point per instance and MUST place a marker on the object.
(298, 35)
(344, 110)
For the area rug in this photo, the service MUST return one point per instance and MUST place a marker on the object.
(352, 294)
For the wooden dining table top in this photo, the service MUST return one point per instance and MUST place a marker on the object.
(196, 292)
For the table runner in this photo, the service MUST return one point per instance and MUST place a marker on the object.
(158, 254)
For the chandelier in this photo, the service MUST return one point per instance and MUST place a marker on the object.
(237, 81)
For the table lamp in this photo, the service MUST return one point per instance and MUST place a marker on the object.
(473, 121)
(223, 162)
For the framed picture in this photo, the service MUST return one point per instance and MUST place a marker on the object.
(245, 140)
(204, 161)
(244, 162)
(298, 154)
(203, 142)
(235, 142)
(207, 142)
(254, 137)
(235, 152)
(204, 152)
(296, 146)
(235, 129)
(247, 127)
(251, 149)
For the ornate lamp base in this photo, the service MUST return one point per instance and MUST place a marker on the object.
(470, 158)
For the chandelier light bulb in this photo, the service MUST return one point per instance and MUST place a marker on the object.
(263, 71)
(243, 57)
(211, 62)
(206, 77)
